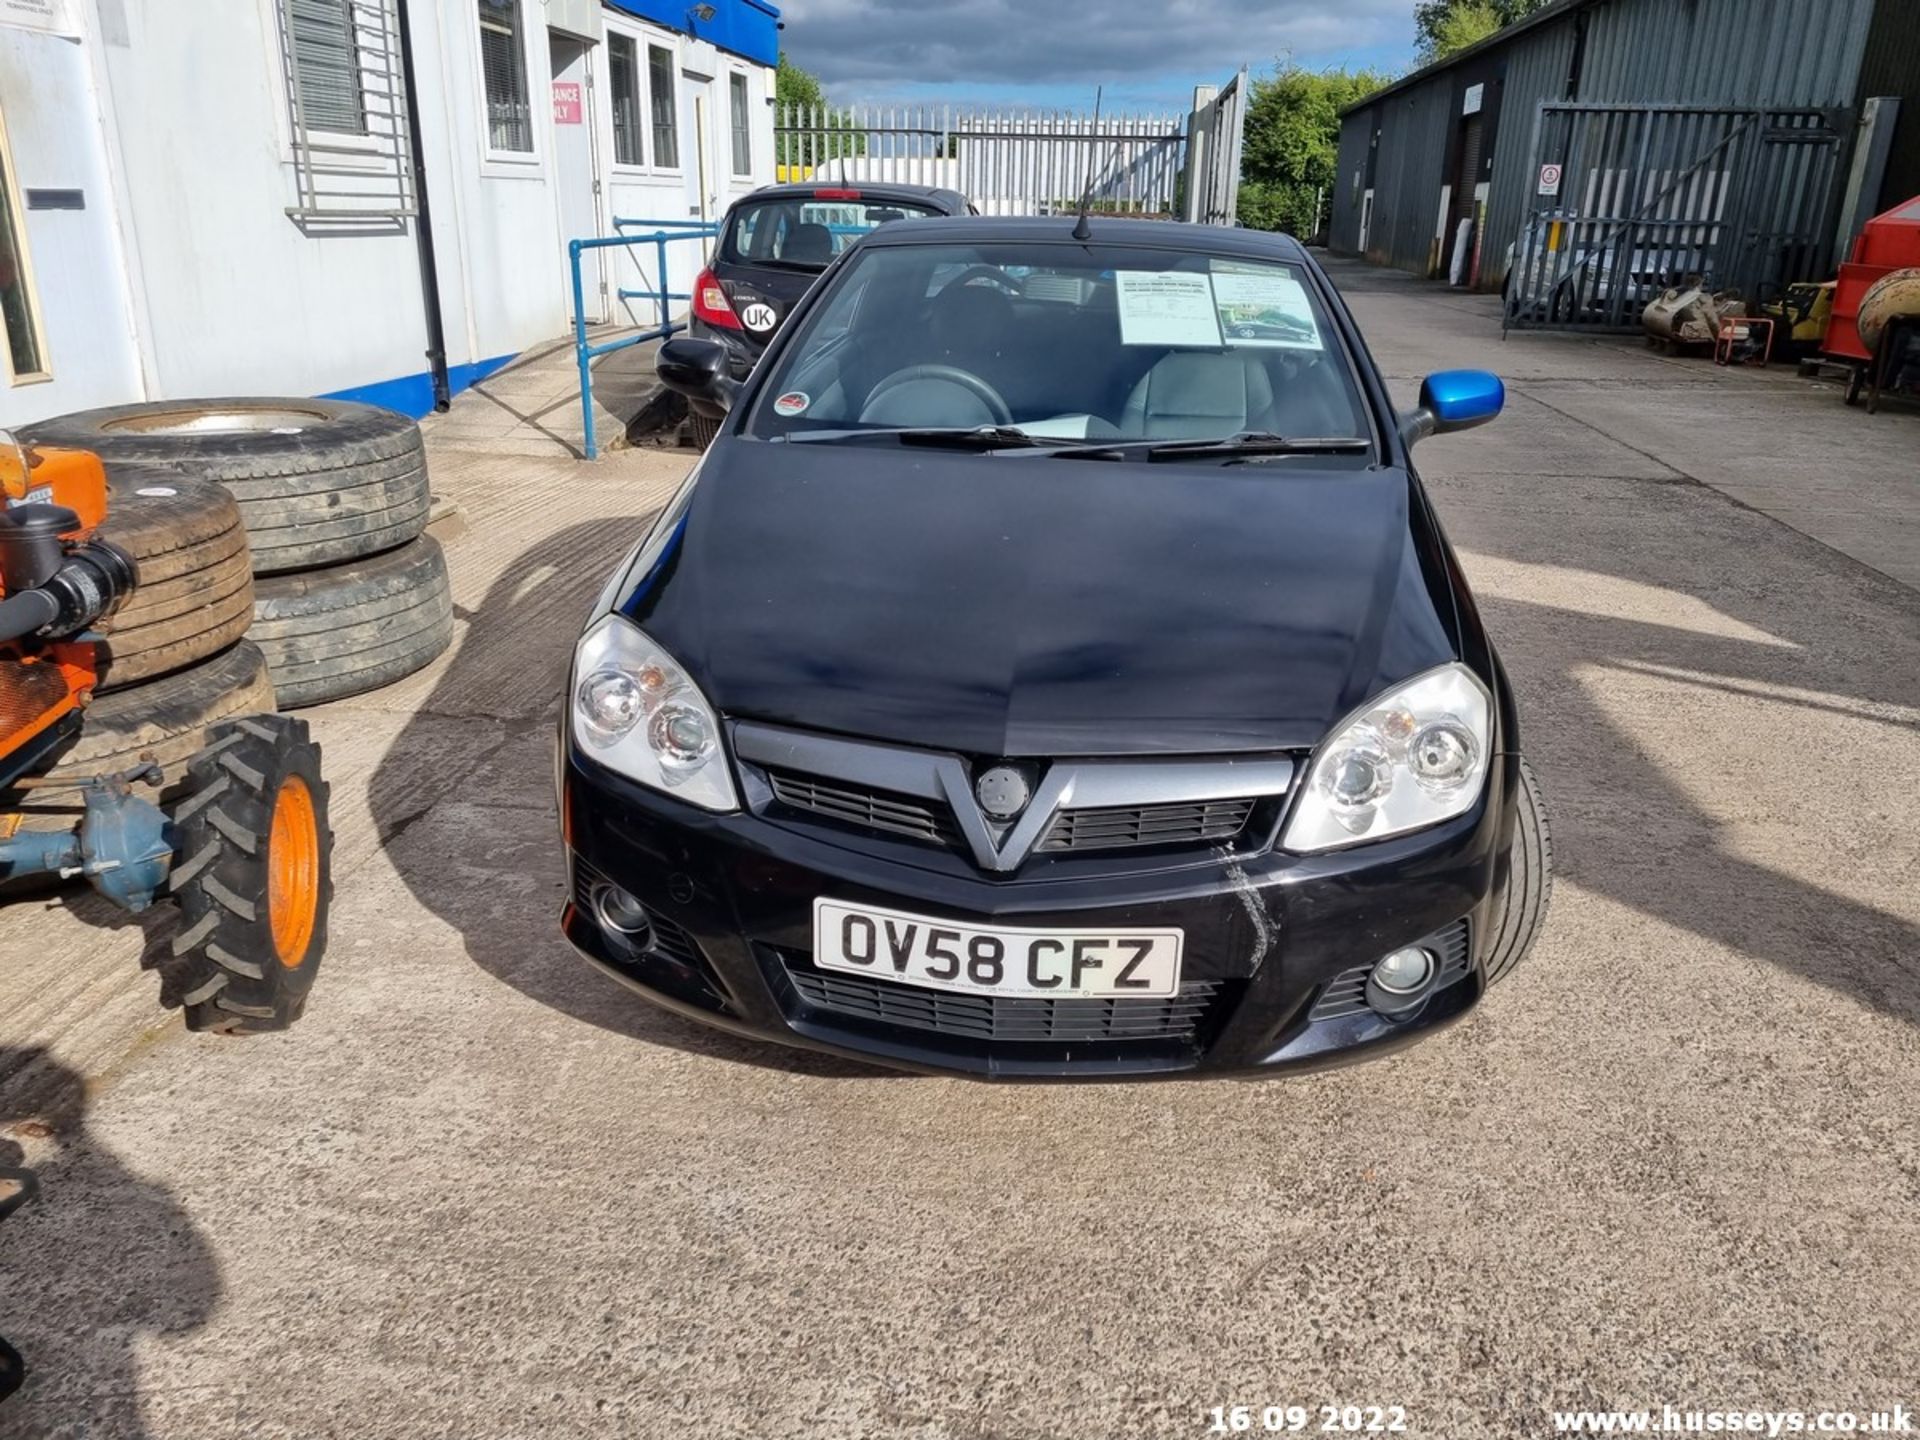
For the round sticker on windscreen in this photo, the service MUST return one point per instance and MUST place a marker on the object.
(758, 316)
(794, 402)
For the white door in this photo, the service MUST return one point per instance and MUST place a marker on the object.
(61, 275)
(575, 169)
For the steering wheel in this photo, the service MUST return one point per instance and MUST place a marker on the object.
(952, 375)
(981, 272)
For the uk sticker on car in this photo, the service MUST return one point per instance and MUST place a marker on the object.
(1009, 960)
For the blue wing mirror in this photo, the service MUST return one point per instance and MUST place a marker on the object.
(1454, 400)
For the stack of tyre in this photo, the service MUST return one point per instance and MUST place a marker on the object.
(282, 557)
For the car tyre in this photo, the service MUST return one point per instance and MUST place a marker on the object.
(318, 481)
(195, 592)
(701, 429)
(1522, 909)
(163, 721)
(252, 876)
(346, 629)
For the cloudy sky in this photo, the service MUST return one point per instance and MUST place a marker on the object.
(1146, 52)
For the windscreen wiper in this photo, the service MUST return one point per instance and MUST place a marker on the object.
(946, 437)
(1247, 444)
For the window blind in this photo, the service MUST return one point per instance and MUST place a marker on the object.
(327, 67)
(666, 127)
(623, 74)
(742, 126)
(503, 61)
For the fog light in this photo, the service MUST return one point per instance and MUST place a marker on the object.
(618, 911)
(1404, 972)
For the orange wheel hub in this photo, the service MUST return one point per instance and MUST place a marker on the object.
(293, 872)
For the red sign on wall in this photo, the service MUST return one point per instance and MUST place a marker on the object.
(566, 102)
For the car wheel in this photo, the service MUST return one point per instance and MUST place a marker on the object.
(347, 629)
(701, 430)
(195, 591)
(318, 481)
(252, 877)
(1522, 908)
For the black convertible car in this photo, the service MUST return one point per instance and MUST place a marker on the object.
(1054, 669)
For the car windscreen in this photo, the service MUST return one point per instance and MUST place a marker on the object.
(806, 232)
(1065, 341)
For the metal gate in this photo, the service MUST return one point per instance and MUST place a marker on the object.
(1024, 162)
(1213, 154)
(1631, 199)
(1006, 163)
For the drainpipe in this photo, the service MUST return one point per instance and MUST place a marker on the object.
(1579, 58)
(423, 225)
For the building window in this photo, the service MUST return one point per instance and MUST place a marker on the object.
(624, 74)
(666, 127)
(347, 113)
(503, 60)
(326, 66)
(26, 355)
(742, 125)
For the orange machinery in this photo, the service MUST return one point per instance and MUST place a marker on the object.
(51, 501)
(1889, 242)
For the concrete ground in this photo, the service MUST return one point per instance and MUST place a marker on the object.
(482, 1192)
(531, 407)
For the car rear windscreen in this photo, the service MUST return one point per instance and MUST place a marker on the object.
(806, 232)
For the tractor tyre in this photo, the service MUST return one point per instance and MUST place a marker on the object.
(319, 481)
(252, 877)
(195, 592)
(347, 629)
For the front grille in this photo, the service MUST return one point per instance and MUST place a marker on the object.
(857, 804)
(1346, 993)
(1134, 825)
(1005, 1018)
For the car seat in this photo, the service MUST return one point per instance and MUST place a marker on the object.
(808, 244)
(1199, 394)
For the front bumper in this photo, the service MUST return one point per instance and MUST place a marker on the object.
(1273, 941)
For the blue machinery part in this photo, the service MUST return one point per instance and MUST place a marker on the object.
(123, 844)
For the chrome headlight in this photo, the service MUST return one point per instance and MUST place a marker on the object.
(1415, 756)
(636, 711)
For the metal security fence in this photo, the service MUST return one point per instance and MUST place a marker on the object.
(1631, 199)
(1029, 162)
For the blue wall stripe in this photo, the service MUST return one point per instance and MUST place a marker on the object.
(750, 28)
(413, 394)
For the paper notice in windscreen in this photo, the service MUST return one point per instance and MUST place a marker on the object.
(1265, 307)
(1167, 307)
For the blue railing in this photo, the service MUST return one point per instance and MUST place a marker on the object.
(664, 232)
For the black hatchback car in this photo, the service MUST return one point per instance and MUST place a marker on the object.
(773, 245)
(1054, 669)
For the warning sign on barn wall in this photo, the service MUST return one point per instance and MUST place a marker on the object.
(1549, 179)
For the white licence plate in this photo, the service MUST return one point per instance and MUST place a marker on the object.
(994, 959)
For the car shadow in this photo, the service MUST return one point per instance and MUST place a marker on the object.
(71, 1300)
(504, 893)
(1674, 721)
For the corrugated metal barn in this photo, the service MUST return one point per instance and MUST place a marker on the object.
(1423, 156)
